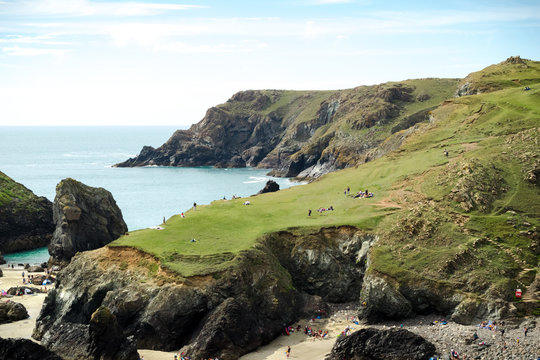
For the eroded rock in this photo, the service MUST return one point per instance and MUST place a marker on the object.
(86, 218)
(374, 344)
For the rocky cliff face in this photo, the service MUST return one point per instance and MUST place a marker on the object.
(86, 218)
(26, 220)
(304, 134)
(225, 314)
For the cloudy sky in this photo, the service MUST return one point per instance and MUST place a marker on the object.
(164, 62)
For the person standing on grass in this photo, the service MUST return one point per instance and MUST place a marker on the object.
(309, 212)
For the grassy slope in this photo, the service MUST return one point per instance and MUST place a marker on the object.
(20, 197)
(412, 186)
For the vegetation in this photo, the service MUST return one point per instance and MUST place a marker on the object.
(466, 220)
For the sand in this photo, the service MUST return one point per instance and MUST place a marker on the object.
(32, 303)
(304, 347)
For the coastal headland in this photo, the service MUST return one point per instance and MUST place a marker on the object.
(443, 225)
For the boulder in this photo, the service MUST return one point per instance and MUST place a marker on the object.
(26, 220)
(35, 268)
(374, 344)
(24, 349)
(86, 218)
(107, 340)
(271, 186)
(12, 311)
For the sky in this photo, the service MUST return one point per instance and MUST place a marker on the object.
(165, 62)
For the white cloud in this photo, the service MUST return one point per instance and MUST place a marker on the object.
(81, 8)
(20, 51)
(47, 39)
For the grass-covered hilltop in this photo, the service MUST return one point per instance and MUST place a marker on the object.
(466, 221)
(452, 227)
(26, 220)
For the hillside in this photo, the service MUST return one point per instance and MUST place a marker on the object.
(302, 133)
(452, 229)
(25, 219)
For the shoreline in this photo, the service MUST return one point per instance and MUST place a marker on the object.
(303, 347)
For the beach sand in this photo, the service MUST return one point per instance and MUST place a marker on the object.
(32, 303)
(304, 347)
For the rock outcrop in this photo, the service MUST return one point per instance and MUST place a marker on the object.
(271, 186)
(305, 134)
(86, 218)
(26, 220)
(374, 344)
(223, 315)
(24, 349)
(12, 311)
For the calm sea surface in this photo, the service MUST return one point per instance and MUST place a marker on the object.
(39, 157)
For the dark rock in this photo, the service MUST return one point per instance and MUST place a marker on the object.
(12, 311)
(26, 220)
(1, 273)
(101, 339)
(107, 340)
(86, 218)
(35, 268)
(2, 260)
(271, 186)
(374, 344)
(24, 349)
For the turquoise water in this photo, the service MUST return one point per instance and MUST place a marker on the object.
(39, 157)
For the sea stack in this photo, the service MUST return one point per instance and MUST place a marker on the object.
(26, 220)
(86, 218)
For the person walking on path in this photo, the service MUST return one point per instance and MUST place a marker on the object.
(194, 206)
(525, 331)
(288, 351)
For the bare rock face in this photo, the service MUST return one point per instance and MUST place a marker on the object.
(26, 220)
(24, 349)
(86, 218)
(373, 344)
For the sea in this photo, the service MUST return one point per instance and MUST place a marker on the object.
(40, 157)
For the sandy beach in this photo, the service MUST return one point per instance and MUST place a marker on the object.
(32, 303)
(303, 347)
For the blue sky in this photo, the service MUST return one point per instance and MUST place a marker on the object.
(88, 62)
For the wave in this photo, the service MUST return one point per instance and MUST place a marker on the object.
(255, 179)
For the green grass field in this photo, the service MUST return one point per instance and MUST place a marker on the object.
(412, 185)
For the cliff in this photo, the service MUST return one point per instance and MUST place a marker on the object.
(86, 218)
(451, 229)
(301, 133)
(26, 220)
